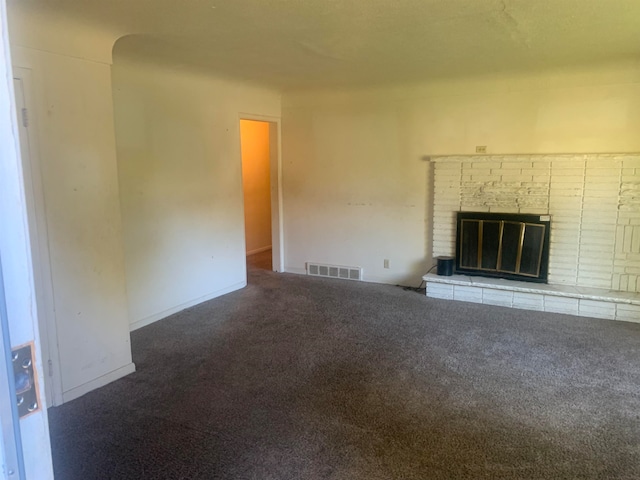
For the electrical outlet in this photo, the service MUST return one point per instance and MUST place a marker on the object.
(481, 149)
(386, 263)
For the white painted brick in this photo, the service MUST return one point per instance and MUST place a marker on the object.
(565, 234)
(628, 312)
(444, 241)
(568, 272)
(486, 164)
(602, 173)
(629, 162)
(599, 185)
(507, 168)
(467, 294)
(566, 266)
(541, 164)
(541, 178)
(543, 172)
(559, 172)
(597, 280)
(623, 283)
(594, 170)
(448, 200)
(564, 259)
(511, 177)
(534, 210)
(615, 282)
(497, 297)
(603, 163)
(592, 208)
(605, 218)
(560, 180)
(601, 262)
(515, 165)
(528, 301)
(443, 251)
(562, 279)
(596, 309)
(444, 234)
(564, 219)
(467, 170)
(566, 199)
(598, 202)
(444, 218)
(484, 177)
(633, 260)
(594, 272)
(603, 193)
(446, 192)
(568, 192)
(444, 168)
(453, 173)
(635, 239)
(474, 209)
(589, 280)
(560, 305)
(594, 249)
(439, 290)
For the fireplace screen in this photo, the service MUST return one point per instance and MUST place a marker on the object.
(503, 245)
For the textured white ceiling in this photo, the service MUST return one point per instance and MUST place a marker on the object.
(292, 44)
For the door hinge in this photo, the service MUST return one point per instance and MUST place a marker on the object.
(25, 118)
(50, 363)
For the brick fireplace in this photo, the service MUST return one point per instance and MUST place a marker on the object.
(594, 204)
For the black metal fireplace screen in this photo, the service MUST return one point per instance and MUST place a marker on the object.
(503, 245)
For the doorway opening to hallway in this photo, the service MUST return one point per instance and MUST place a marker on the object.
(259, 142)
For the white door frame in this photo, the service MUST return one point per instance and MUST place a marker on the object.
(38, 230)
(17, 273)
(275, 160)
(11, 455)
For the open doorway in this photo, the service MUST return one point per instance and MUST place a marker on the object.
(259, 142)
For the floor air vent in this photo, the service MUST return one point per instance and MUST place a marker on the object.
(334, 271)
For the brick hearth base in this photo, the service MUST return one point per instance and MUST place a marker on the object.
(582, 301)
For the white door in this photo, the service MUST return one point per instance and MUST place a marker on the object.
(34, 196)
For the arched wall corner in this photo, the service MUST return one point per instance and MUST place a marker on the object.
(49, 31)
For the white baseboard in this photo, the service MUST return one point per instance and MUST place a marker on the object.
(258, 250)
(143, 322)
(98, 382)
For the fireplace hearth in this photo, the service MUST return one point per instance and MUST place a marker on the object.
(513, 246)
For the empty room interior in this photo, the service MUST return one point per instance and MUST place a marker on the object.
(344, 240)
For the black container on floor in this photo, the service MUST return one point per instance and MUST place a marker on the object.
(445, 266)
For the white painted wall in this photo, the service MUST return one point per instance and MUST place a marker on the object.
(75, 134)
(180, 174)
(256, 184)
(356, 188)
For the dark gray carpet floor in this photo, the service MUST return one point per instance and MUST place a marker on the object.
(297, 377)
